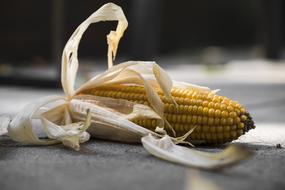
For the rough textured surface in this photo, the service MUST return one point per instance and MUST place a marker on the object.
(106, 165)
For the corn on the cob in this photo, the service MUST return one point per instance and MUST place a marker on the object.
(216, 119)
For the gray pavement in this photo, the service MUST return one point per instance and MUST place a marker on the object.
(110, 165)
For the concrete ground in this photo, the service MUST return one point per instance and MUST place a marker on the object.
(110, 165)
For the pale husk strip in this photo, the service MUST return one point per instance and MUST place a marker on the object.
(70, 134)
(108, 12)
(166, 149)
(111, 116)
(21, 128)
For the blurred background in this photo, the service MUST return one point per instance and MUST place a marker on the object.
(216, 41)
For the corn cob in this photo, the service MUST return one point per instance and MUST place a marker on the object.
(216, 119)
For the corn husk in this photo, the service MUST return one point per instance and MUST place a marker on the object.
(72, 118)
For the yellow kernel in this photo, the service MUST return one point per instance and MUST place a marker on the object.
(237, 105)
(217, 105)
(189, 93)
(153, 123)
(210, 121)
(189, 118)
(227, 128)
(220, 135)
(236, 120)
(211, 112)
(205, 104)
(199, 102)
(205, 111)
(234, 134)
(217, 113)
(223, 107)
(194, 119)
(200, 110)
(182, 101)
(230, 108)
(225, 114)
(194, 94)
(181, 108)
(242, 110)
(112, 94)
(206, 128)
(226, 135)
(219, 129)
(214, 138)
(144, 123)
(231, 103)
(233, 114)
(148, 122)
(187, 101)
(237, 111)
(212, 129)
(185, 108)
(230, 121)
(208, 136)
(173, 118)
(198, 96)
(243, 118)
(205, 120)
(182, 127)
(198, 129)
(189, 109)
(211, 105)
(234, 127)
(184, 93)
(200, 119)
(176, 126)
(178, 118)
(183, 118)
(117, 94)
(205, 96)
(197, 136)
(167, 116)
(142, 97)
(216, 98)
(194, 109)
(240, 132)
(108, 93)
(191, 101)
(217, 121)
(223, 121)
(241, 125)
(211, 95)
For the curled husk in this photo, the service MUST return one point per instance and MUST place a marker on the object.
(71, 118)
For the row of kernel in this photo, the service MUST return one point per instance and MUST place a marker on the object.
(200, 110)
(121, 95)
(215, 136)
(148, 123)
(194, 119)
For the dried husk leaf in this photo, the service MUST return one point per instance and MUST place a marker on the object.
(70, 134)
(166, 149)
(108, 12)
(21, 128)
(109, 118)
